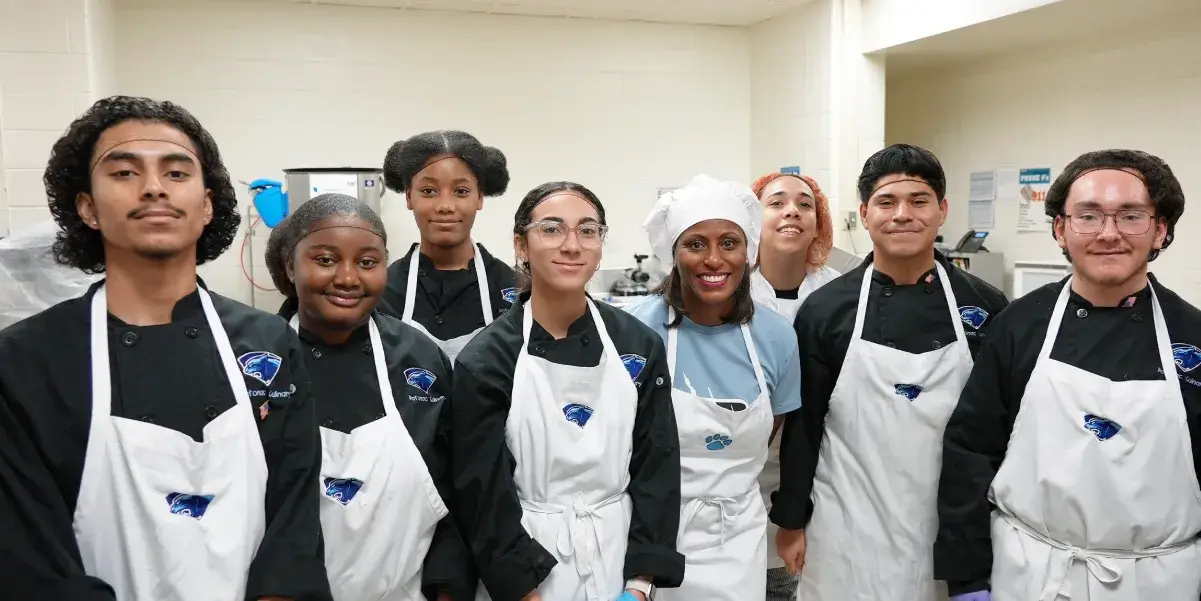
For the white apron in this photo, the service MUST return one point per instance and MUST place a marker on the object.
(454, 346)
(723, 523)
(875, 512)
(764, 293)
(161, 517)
(379, 505)
(1097, 497)
(570, 430)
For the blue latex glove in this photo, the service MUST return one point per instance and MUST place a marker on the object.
(976, 596)
(626, 596)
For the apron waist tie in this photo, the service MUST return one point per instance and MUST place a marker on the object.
(573, 540)
(726, 505)
(1099, 562)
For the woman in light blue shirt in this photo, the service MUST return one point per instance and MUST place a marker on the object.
(735, 372)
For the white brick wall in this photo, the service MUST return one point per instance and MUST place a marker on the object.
(1045, 107)
(623, 108)
(818, 102)
(791, 79)
(51, 57)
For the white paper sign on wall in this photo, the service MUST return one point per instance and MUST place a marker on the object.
(1034, 184)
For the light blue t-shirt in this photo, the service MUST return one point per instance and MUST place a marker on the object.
(713, 361)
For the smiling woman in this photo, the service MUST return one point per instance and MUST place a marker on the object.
(734, 366)
(381, 386)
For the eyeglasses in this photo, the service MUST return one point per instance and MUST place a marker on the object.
(554, 233)
(1129, 222)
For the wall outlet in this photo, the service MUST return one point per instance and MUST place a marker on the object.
(852, 220)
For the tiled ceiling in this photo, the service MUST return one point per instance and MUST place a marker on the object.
(708, 12)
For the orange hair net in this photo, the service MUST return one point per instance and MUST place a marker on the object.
(823, 240)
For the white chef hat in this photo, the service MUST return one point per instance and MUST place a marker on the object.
(704, 198)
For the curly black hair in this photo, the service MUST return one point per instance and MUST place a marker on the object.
(407, 157)
(902, 159)
(1162, 185)
(281, 244)
(69, 172)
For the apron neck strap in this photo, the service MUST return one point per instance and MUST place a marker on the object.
(481, 275)
(673, 336)
(377, 358)
(527, 325)
(948, 292)
(102, 377)
(1061, 306)
(952, 304)
(1163, 340)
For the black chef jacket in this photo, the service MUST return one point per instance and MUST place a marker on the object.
(913, 318)
(448, 302)
(169, 375)
(511, 563)
(347, 396)
(1117, 343)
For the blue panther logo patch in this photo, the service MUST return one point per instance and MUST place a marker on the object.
(192, 506)
(260, 365)
(509, 294)
(909, 391)
(420, 378)
(342, 490)
(1186, 356)
(577, 414)
(634, 365)
(1104, 429)
(973, 316)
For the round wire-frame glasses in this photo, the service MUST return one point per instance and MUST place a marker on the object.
(554, 233)
(1131, 222)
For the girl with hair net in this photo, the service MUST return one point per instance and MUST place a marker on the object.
(793, 248)
(382, 394)
(566, 468)
(735, 372)
(447, 286)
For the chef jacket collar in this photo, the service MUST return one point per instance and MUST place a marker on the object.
(929, 277)
(1140, 298)
(188, 307)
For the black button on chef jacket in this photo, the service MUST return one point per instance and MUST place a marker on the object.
(510, 562)
(168, 375)
(448, 302)
(1117, 343)
(913, 318)
(347, 395)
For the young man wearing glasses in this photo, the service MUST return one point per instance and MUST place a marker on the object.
(1069, 464)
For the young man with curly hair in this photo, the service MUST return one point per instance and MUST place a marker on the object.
(157, 441)
(1070, 463)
